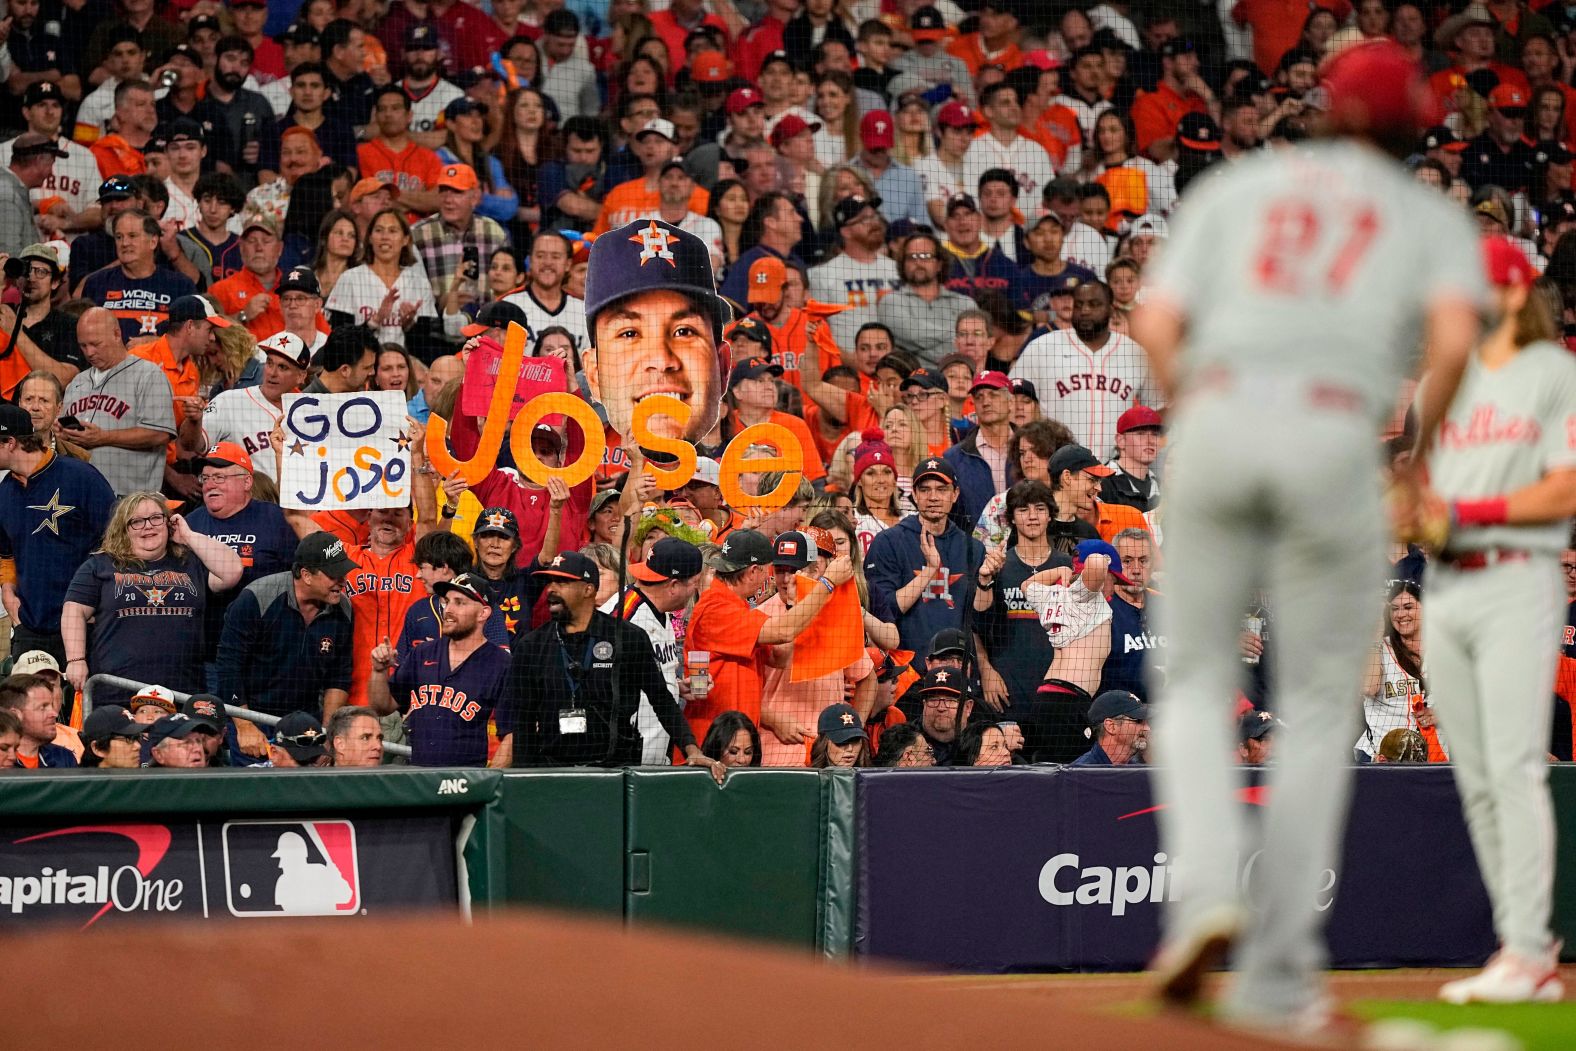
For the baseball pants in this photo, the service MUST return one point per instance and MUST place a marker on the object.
(1489, 639)
(1265, 490)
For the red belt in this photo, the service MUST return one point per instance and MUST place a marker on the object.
(1469, 560)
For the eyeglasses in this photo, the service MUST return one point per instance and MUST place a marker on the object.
(211, 477)
(940, 702)
(921, 255)
(148, 521)
(42, 272)
(1569, 567)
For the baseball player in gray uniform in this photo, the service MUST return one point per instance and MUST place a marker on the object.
(1505, 461)
(1280, 322)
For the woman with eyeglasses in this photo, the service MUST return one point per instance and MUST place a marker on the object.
(146, 589)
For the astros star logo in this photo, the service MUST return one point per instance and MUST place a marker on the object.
(848, 720)
(941, 676)
(558, 560)
(654, 241)
(156, 595)
(497, 520)
(54, 509)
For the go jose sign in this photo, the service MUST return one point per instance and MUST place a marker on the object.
(1061, 868)
(93, 873)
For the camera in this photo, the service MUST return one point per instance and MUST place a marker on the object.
(15, 269)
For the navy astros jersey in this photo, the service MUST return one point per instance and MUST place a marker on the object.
(446, 711)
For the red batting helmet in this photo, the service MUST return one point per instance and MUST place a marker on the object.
(1376, 88)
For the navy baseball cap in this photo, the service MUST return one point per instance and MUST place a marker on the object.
(1076, 458)
(791, 550)
(923, 377)
(302, 737)
(111, 720)
(949, 640)
(300, 279)
(649, 255)
(742, 549)
(42, 91)
(935, 467)
(839, 723)
(206, 708)
(1099, 547)
(669, 559)
(497, 521)
(496, 314)
(116, 188)
(942, 680)
(1114, 704)
(751, 328)
(421, 37)
(851, 208)
(465, 584)
(1256, 724)
(178, 726)
(324, 552)
(753, 369)
(1025, 388)
(572, 565)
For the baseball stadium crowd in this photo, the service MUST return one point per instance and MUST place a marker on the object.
(930, 223)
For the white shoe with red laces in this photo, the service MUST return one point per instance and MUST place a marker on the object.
(1509, 979)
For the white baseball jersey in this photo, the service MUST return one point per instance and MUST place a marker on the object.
(939, 179)
(1087, 247)
(359, 292)
(1087, 389)
(1024, 157)
(245, 417)
(1068, 612)
(75, 177)
(277, 92)
(1392, 707)
(1506, 429)
(183, 206)
(571, 314)
(656, 748)
(426, 112)
(96, 110)
(1274, 262)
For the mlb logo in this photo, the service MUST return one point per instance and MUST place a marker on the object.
(291, 868)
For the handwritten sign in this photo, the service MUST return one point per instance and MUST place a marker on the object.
(537, 376)
(345, 451)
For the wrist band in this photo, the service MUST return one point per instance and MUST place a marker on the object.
(1487, 512)
(827, 584)
(74, 660)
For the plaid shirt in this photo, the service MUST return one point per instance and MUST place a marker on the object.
(442, 248)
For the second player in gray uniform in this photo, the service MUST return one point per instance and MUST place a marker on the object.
(1299, 283)
(1505, 461)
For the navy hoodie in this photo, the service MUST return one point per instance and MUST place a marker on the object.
(895, 558)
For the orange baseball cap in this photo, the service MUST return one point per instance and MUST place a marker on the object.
(1507, 96)
(710, 67)
(370, 186)
(767, 275)
(461, 177)
(228, 454)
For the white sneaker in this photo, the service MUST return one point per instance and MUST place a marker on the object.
(1181, 963)
(1508, 979)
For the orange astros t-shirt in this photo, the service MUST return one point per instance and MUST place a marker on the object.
(381, 589)
(412, 168)
(725, 626)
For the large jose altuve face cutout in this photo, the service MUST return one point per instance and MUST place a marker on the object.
(656, 343)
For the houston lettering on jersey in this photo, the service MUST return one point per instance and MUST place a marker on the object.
(1093, 381)
(446, 697)
(361, 583)
(101, 402)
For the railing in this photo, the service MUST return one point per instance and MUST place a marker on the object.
(260, 718)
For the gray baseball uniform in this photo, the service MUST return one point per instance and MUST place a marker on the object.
(1492, 683)
(1304, 277)
(133, 393)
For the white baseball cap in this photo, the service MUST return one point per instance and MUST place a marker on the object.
(1149, 223)
(658, 126)
(707, 470)
(33, 662)
(154, 695)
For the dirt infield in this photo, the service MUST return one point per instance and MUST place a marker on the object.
(535, 981)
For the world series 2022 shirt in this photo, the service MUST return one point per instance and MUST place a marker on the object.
(140, 304)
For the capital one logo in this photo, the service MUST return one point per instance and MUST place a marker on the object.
(291, 868)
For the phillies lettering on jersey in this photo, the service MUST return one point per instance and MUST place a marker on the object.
(446, 697)
(106, 403)
(364, 583)
(1488, 426)
(1093, 381)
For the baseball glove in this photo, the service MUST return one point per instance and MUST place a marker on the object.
(1418, 516)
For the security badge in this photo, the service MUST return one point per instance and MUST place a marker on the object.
(571, 721)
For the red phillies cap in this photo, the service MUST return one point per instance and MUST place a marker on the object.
(789, 125)
(1506, 264)
(876, 131)
(742, 99)
(1377, 87)
(991, 380)
(956, 115)
(1507, 96)
(1137, 417)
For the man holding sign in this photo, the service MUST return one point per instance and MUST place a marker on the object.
(349, 452)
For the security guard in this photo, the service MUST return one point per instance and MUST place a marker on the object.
(578, 680)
